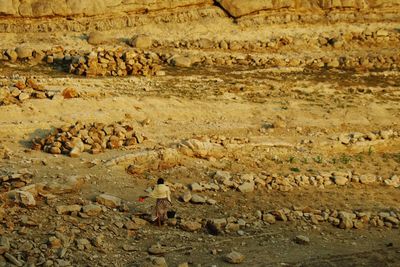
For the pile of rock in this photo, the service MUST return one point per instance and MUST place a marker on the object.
(92, 137)
(325, 40)
(271, 60)
(22, 53)
(23, 90)
(135, 61)
(356, 137)
(245, 183)
(307, 215)
(115, 63)
(341, 219)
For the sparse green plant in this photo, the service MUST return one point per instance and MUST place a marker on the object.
(291, 159)
(304, 160)
(345, 159)
(396, 157)
(277, 160)
(295, 169)
(385, 157)
(334, 160)
(359, 158)
(318, 159)
(370, 151)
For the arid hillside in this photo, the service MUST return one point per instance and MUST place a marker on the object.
(275, 124)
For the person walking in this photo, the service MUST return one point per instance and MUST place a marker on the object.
(162, 194)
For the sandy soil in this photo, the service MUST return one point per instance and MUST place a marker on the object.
(308, 109)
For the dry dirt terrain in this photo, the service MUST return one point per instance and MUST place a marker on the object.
(276, 125)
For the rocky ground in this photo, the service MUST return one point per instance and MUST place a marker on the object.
(280, 141)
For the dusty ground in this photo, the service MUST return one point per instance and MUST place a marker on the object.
(308, 109)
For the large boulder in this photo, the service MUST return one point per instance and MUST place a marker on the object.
(24, 52)
(141, 41)
(238, 8)
(96, 38)
(108, 200)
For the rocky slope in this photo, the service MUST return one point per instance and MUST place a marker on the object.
(274, 122)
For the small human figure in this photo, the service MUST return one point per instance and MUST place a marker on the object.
(162, 194)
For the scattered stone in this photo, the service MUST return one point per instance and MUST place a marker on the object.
(196, 187)
(367, 179)
(98, 241)
(23, 96)
(190, 226)
(211, 201)
(302, 240)
(157, 249)
(344, 139)
(91, 209)
(54, 242)
(70, 93)
(63, 209)
(196, 199)
(135, 223)
(129, 248)
(222, 175)
(83, 244)
(269, 218)
(392, 220)
(12, 55)
(23, 52)
(393, 181)
(346, 220)
(280, 215)
(12, 259)
(186, 197)
(246, 187)
(108, 200)
(232, 227)
(340, 180)
(181, 61)
(157, 262)
(234, 257)
(23, 197)
(68, 185)
(4, 245)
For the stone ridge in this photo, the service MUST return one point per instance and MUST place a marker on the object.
(235, 8)
(46, 8)
(239, 8)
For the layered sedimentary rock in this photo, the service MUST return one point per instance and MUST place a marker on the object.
(42, 8)
(238, 8)
(235, 8)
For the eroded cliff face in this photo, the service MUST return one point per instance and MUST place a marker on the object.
(18, 16)
(235, 8)
(42, 8)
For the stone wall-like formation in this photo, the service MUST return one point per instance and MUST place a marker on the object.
(235, 8)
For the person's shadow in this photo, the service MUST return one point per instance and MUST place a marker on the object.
(38, 133)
